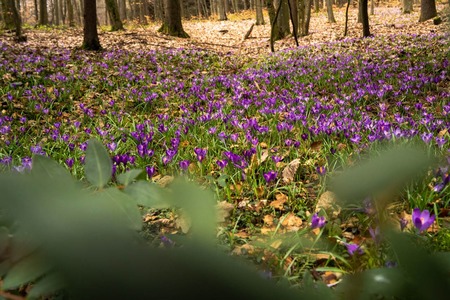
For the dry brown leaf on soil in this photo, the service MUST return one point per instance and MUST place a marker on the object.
(290, 170)
(224, 210)
(327, 202)
(268, 220)
(243, 250)
(164, 181)
(291, 222)
(279, 202)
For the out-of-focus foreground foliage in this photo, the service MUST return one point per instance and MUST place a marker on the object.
(62, 236)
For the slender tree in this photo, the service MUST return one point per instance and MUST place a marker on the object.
(259, 12)
(114, 16)
(407, 6)
(70, 14)
(330, 14)
(346, 17)
(172, 24)
(90, 34)
(363, 6)
(12, 9)
(43, 14)
(221, 10)
(427, 10)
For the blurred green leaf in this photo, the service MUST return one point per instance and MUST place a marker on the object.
(98, 164)
(128, 177)
(125, 207)
(222, 180)
(25, 271)
(45, 166)
(4, 239)
(46, 286)
(389, 170)
(148, 194)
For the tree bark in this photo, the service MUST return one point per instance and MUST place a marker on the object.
(90, 34)
(407, 6)
(427, 10)
(346, 18)
(364, 17)
(69, 6)
(114, 16)
(221, 10)
(172, 24)
(316, 5)
(259, 12)
(43, 14)
(330, 14)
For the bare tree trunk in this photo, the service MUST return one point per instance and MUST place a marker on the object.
(221, 10)
(43, 15)
(407, 6)
(316, 5)
(330, 14)
(12, 9)
(114, 16)
(346, 17)
(307, 17)
(259, 13)
(365, 17)
(55, 12)
(172, 19)
(159, 10)
(70, 13)
(372, 7)
(90, 34)
(427, 10)
(36, 11)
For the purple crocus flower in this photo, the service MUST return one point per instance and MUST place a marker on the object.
(317, 222)
(184, 164)
(321, 170)
(201, 153)
(422, 219)
(440, 186)
(222, 164)
(69, 162)
(270, 176)
(150, 171)
(354, 248)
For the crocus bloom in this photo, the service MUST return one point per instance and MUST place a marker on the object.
(222, 163)
(150, 171)
(270, 176)
(321, 170)
(317, 222)
(352, 248)
(422, 219)
(184, 164)
(201, 154)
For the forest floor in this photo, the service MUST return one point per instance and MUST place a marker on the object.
(228, 36)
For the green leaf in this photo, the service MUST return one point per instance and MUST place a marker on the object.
(4, 239)
(45, 166)
(98, 165)
(24, 272)
(148, 194)
(128, 177)
(124, 206)
(222, 180)
(46, 286)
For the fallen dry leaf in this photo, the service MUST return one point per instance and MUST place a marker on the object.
(290, 170)
(243, 250)
(268, 220)
(224, 210)
(279, 202)
(327, 202)
(166, 180)
(291, 222)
